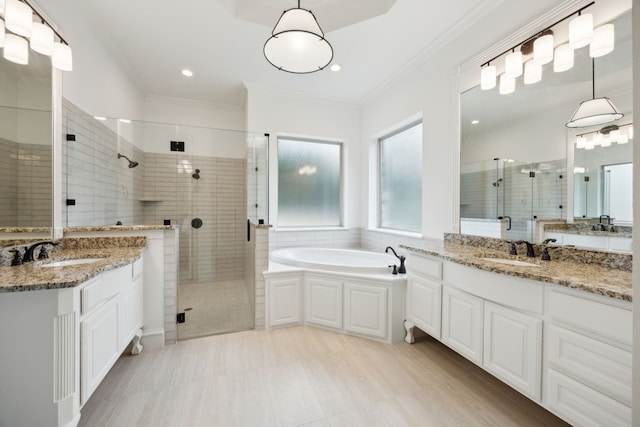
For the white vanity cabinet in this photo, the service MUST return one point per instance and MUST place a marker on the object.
(424, 295)
(61, 344)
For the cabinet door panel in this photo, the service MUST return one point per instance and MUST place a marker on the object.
(284, 302)
(462, 323)
(323, 302)
(424, 302)
(513, 348)
(99, 346)
(365, 310)
(131, 312)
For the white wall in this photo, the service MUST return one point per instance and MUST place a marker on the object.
(288, 114)
(100, 83)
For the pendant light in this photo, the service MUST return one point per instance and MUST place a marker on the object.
(297, 44)
(595, 111)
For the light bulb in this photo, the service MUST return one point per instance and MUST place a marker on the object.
(507, 84)
(532, 72)
(513, 64)
(603, 41)
(543, 49)
(488, 77)
(563, 58)
(580, 31)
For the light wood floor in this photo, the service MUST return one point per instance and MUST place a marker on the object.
(305, 377)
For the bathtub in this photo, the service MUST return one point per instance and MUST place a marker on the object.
(348, 291)
(337, 260)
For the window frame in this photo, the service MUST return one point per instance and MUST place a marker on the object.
(341, 198)
(379, 142)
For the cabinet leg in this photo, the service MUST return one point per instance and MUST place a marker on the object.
(408, 326)
(137, 347)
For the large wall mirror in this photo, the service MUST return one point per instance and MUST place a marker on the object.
(519, 165)
(26, 194)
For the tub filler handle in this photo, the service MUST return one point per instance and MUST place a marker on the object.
(395, 269)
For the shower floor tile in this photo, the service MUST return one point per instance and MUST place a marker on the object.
(214, 308)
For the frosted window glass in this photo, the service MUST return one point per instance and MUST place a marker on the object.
(401, 180)
(308, 183)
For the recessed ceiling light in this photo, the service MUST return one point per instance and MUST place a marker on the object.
(475, 122)
(186, 72)
(335, 67)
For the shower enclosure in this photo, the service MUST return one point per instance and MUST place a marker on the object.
(207, 182)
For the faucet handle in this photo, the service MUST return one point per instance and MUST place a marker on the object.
(545, 255)
(395, 269)
(17, 258)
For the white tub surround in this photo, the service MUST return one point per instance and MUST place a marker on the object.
(332, 292)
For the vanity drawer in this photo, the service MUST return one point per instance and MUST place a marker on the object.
(104, 287)
(426, 266)
(601, 366)
(605, 320)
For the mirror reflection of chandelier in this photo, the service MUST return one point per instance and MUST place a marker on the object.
(297, 44)
(612, 134)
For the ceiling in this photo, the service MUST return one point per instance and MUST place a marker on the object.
(221, 41)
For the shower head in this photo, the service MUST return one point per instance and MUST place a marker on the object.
(132, 164)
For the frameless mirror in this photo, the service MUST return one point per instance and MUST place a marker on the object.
(515, 162)
(26, 144)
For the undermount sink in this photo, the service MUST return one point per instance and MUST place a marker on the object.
(67, 262)
(511, 262)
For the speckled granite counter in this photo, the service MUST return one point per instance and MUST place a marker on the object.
(118, 251)
(120, 228)
(573, 268)
(591, 229)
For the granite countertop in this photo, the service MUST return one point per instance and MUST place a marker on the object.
(120, 228)
(32, 277)
(594, 278)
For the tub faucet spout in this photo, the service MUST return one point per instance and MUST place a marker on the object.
(402, 269)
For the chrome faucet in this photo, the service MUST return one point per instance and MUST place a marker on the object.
(401, 269)
(530, 251)
(28, 254)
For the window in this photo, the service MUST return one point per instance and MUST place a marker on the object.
(309, 183)
(400, 180)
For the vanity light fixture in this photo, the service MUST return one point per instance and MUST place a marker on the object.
(539, 48)
(595, 111)
(19, 25)
(605, 137)
(297, 43)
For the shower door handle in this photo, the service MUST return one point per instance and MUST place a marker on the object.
(248, 230)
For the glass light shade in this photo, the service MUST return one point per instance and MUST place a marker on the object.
(605, 141)
(563, 58)
(603, 41)
(507, 84)
(42, 39)
(18, 18)
(593, 112)
(16, 49)
(543, 49)
(1, 33)
(2, 7)
(624, 138)
(61, 57)
(597, 139)
(590, 145)
(532, 72)
(630, 133)
(581, 142)
(513, 64)
(581, 31)
(297, 44)
(488, 77)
